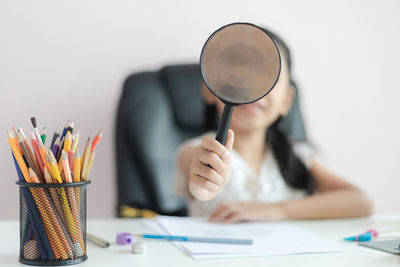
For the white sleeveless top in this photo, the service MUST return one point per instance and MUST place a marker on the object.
(245, 186)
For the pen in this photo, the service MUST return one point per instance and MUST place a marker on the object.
(98, 240)
(198, 239)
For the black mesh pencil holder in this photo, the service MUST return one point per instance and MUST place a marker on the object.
(52, 223)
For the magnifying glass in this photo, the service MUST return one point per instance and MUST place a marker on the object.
(240, 63)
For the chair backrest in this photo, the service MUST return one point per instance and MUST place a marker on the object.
(156, 113)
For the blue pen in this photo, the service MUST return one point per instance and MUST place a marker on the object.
(198, 239)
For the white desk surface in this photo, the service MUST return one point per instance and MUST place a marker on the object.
(164, 253)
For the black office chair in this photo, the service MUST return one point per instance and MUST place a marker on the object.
(156, 113)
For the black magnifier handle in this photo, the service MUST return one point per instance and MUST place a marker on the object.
(223, 126)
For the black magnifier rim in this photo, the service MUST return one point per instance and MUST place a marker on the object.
(203, 76)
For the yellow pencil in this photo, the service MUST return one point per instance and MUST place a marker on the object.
(91, 158)
(67, 142)
(85, 160)
(77, 166)
(75, 144)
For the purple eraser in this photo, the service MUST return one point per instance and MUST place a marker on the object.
(124, 238)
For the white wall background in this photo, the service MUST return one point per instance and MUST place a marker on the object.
(63, 60)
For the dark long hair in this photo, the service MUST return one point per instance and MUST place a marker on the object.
(293, 170)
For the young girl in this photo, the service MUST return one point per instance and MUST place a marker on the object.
(260, 175)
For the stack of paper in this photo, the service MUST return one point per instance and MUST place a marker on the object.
(281, 238)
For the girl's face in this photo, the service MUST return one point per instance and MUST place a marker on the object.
(261, 114)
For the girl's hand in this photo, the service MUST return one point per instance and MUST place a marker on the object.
(210, 169)
(237, 212)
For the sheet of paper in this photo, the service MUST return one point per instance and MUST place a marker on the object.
(281, 238)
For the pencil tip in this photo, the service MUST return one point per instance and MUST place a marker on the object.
(100, 134)
(33, 120)
(31, 172)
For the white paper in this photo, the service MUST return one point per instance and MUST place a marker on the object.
(270, 238)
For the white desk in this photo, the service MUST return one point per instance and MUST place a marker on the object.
(164, 253)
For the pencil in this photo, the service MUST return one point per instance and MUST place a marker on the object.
(76, 141)
(96, 140)
(72, 200)
(91, 158)
(66, 148)
(36, 131)
(64, 201)
(54, 196)
(77, 167)
(85, 160)
(43, 135)
(70, 127)
(65, 130)
(48, 226)
(67, 142)
(40, 235)
(55, 220)
(37, 154)
(42, 151)
(25, 140)
(18, 156)
(55, 136)
(55, 147)
(31, 161)
(71, 160)
(16, 138)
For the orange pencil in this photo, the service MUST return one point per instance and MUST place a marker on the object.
(42, 151)
(18, 156)
(96, 140)
(16, 139)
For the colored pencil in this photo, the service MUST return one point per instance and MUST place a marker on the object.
(55, 136)
(43, 135)
(85, 160)
(77, 167)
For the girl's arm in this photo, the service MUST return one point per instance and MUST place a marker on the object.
(334, 198)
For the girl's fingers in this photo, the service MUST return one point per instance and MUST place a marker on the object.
(210, 144)
(210, 158)
(207, 173)
(221, 212)
(229, 140)
(203, 183)
(233, 217)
